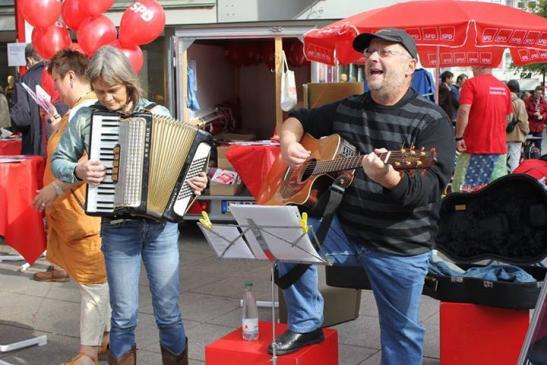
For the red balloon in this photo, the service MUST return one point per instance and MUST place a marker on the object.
(94, 33)
(73, 14)
(141, 23)
(54, 39)
(95, 7)
(41, 13)
(36, 39)
(134, 54)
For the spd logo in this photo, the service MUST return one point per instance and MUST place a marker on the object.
(146, 14)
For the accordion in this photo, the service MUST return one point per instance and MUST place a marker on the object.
(148, 159)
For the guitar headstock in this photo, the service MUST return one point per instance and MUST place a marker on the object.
(410, 158)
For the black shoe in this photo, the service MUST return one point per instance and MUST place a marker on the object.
(290, 342)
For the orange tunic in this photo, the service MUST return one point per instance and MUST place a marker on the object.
(73, 238)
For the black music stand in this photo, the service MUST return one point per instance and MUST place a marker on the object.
(269, 233)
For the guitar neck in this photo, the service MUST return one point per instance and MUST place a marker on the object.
(349, 163)
(336, 165)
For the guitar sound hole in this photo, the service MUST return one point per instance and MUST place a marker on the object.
(295, 177)
(307, 170)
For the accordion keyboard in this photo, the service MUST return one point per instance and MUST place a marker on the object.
(104, 137)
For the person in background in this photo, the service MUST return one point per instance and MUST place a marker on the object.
(128, 240)
(445, 96)
(455, 92)
(485, 110)
(25, 113)
(10, 89)
(536, 107)
(5, 121)
(73, 238)
(27, 118)
(387, 221)
(517, 136)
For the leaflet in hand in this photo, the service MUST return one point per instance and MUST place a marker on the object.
(41, 97)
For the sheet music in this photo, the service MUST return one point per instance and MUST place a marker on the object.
(227, 242)
(281, 229)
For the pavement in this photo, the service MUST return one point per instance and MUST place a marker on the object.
(210, 302)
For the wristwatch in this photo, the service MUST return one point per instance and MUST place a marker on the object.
(457, 139)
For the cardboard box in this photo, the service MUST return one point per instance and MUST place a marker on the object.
(222, 161)
(321, 93)
(224, 189)
(224, 182)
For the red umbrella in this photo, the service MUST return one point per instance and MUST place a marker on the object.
(447, 33)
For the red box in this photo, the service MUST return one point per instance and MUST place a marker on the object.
(232, 350)
(474, 334)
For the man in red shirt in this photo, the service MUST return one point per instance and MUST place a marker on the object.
(485, 110)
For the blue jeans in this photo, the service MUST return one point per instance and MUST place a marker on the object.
(124, 244)
(397, 283)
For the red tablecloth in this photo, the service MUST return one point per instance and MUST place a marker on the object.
(252, 163)
(10, 146)
(20, 224)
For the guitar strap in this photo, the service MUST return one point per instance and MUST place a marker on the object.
(333, 199)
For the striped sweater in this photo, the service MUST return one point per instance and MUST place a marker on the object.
(402, 221)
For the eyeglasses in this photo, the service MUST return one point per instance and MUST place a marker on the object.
(383, 52)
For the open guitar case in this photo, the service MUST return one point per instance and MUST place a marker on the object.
(505, 221)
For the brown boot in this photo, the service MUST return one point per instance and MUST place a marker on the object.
(167, 358)
(129, 358)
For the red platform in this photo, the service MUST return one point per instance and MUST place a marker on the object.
(473, 334)
(232, 350)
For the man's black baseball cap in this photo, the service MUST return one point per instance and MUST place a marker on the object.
(362, 41)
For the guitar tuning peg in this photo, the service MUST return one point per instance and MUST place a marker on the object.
(412, 151)
(418, 163)
(403, 150)
(408, 163)
(397, 164)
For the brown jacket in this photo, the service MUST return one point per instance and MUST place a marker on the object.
(522, 129)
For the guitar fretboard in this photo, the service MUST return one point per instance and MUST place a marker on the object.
(320, 167)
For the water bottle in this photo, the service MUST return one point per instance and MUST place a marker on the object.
(249, 318)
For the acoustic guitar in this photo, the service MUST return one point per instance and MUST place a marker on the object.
(331, 158)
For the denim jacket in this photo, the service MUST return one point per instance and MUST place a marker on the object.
(75, 140)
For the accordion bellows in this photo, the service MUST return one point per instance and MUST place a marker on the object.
(148, 158)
